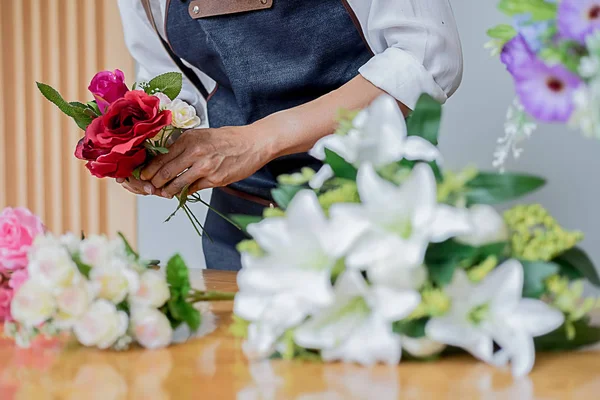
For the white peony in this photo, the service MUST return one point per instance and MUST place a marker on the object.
(184, 115)
(72, 302)
(52, 266)
(95, 250)
(488, 227)
(115, 280)
(33, 304)
(153, 290)
(164, 100)
(151, 328)
(101, 325)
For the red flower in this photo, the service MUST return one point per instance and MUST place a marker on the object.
(113, 144)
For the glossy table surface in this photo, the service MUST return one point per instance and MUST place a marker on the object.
(213, 367)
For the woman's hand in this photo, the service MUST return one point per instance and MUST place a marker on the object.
(205, 158)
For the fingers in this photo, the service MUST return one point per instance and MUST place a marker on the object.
(201, 184)
(158, 162)
(177, 185)
(137, 187)
(171, 171)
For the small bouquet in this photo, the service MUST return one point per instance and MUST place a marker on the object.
(552, 50)
(382, 252)
(125, 129)
(98, 289)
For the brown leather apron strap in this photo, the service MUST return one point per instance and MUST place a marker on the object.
(247, 196)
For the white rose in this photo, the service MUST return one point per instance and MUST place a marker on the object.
(71, 242)
(421, 347)
(32, 304)
(151, 328)
(114, 280)
(72, 302)
(101, 325)
(95, 250)
(488, 226)
(153, 290)
(53, 267)
(184, 115)
(164, 100)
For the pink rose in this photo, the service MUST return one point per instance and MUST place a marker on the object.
(17, 279)
(107, 86)
(18, 229)
(6, 295)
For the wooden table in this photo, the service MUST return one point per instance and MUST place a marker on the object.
(214, 367)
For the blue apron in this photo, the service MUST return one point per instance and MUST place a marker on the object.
(263, 62)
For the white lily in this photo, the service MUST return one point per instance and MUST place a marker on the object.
(403, 219)
(494, 311)
(379, 138)
(358, 326)
(488, 226)
(278, 290)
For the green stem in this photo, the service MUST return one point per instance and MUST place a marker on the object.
(196, 296)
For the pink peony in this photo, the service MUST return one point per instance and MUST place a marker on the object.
(6, 295)
(18, 229)
(107, 87)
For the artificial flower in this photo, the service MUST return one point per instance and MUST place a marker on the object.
(101, 325)
(488, 227)
(52, 266)
(301, 249)
(531, 31)
(151, 328)
(164, 100)
(516, 54)
(18, 229)
(422, 347)
(379, 137)
(115, 280)
(184, 115)
(323, 175)
(71, 303)
(577, 19)
(587, 103)
(107, 87)
(357, 327)
(402, 220)
(495, 312)
(518, 127)
(32, 304)
(153, 290)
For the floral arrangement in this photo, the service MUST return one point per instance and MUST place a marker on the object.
(98, 289)
(552, 50)
(125, 129)
(382, 252)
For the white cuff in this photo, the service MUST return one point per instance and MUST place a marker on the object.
(401, 75)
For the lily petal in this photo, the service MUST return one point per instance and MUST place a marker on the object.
(271, 234)
(448, 222)
(448, 331)
(372, 188)
(504, 285)
(394, 305)
(418, 149)
(305, 211)
(535, 317)
(322, 176)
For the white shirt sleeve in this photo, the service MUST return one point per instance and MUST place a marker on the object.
(151, 57)
(416, 45)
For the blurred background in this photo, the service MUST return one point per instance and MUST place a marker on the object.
(64, 42)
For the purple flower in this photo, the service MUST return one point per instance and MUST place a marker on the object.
(531, 31)
(516, 54)
(545, 91)
(578, 18)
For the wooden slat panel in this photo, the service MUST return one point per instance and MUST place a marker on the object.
(63, 43)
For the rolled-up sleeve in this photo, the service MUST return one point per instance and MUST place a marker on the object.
(416, 45)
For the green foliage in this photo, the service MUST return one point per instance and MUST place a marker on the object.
(178, 310)
(494, 188)
(155, 150)
(75, 110)
(239, 327)
(412, 328)
(558, 340)
(83, 268)
(540, 10)
(128, 247)
(341, 168)
(137, 172)
(284, 194)
(169, 84)
(577, 260)
(424, 121)
(562, 53)
(502, 32)
(535, 275)
(242, 221)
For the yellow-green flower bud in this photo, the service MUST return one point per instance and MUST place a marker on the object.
(345, 120)
(454, 183)
(478, 272)
(297, 178)
(251, 247)
(273, 212)
(239, 327)
(347, 192)
(434, 303)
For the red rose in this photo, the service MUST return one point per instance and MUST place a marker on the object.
(113, 144)
(108, 86)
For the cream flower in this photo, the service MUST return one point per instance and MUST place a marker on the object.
(488, 227)
(52, 266)
(101, 325)
(33, 304)
(72, 302)
(164, 100)
(184, 115)
(151, 328)
(115, 280)
(153, 290)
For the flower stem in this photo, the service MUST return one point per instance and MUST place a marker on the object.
(196, 296)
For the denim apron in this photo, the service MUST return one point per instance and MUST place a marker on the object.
(263, 62)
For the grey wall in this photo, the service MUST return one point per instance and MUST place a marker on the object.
(473, 120)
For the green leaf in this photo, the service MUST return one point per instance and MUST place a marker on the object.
(83, 268)
(92, 105)
(536, 273)
(242, 221)
(585, 335)
(502, 32)
(540, 10)
(441, 273)
(284, 194)
(449, 250)
(178, 276)
(494, 188)
(54, 97)
(185, 312)
(579, 261)
(414, 328)
(341, 168)
(155, 149)
(169, 84)
(128, 247)
(424, 121)
(136, 172)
